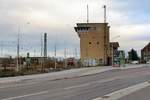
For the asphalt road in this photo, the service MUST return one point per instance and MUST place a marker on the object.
(143, 94)
(79, 88)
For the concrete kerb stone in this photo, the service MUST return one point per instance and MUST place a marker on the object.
(51, 76)
(37, 76)
(64, 74)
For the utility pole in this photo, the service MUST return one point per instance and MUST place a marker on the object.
(41, 51)
(45, 45)
(1, 48)
(112, 47)
(45, 49)
(41, 45)
(18, 49)
(87, 13)
(105, 35)
(73, 53)
(65, 57)
(105, 14)
(76, 55)
(76, 61)
(34, 52)
(55, 56)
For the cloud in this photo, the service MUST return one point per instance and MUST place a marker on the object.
(127, 18)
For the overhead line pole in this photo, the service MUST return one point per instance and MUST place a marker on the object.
(105, 33)
(41, 45)
(1, 48)
(55, 57)
(42, 51)
(105, 14)
(18, 49)
(87, 13)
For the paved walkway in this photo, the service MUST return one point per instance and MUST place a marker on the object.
(66, 74)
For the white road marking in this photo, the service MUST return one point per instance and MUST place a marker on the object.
(17, 85)
(123, 92)
(107, 80)
(90, 83)
(28, 95)
(77, 86)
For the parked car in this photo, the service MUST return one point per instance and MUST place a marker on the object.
(71, 61)
(135, 62)
(148, 62)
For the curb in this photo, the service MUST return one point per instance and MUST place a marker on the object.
(76, 76)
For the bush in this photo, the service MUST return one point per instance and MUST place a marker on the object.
(8, 73)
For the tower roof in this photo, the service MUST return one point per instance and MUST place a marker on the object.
(147, 47)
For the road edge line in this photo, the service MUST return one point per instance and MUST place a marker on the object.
(123, 92)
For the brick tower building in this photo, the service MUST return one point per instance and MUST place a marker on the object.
(94, 43)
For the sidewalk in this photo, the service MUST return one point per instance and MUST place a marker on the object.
(65, 74)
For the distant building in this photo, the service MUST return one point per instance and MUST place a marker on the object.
(114, 46)
(94, 43)
(7, 62)
(145, 53)
(114, 52)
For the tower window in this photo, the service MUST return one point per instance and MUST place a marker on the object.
(90, 42)
(97, 42)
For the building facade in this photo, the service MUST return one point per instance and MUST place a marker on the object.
(114, 53)
(145, 53)
(94, 43)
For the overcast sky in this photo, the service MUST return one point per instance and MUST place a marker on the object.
(128, 18)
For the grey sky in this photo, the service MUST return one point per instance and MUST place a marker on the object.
(127, 18)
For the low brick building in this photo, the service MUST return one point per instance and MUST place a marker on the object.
(145, 53)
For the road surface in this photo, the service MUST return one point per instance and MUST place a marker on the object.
(87, 87)
(143, 94)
